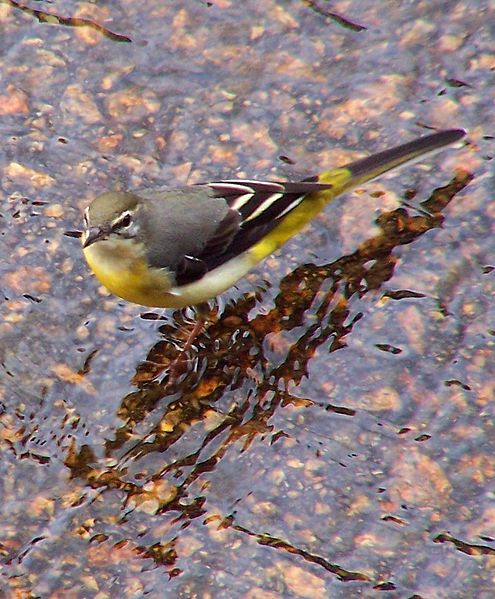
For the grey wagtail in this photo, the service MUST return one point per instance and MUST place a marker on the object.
(181, 246)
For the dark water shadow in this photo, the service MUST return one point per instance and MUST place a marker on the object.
(51, 18)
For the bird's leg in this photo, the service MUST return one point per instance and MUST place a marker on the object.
(196, 330)
(177, 367)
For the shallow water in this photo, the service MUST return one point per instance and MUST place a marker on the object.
(333, 435)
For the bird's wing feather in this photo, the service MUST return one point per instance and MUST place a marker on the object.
(255, 208)
(263, 202)
(261, 205)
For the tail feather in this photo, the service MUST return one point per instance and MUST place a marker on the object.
(373, 166)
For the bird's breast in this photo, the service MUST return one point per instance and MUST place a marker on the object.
(121, 266)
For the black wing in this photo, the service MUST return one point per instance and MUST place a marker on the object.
(255, 208)
(264, 202)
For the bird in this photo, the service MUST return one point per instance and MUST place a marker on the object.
(172, 247)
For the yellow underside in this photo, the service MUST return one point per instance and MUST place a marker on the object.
(132, 280)
(128, 278)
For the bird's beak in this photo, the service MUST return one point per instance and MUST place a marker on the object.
(93, 234)
(75, 234)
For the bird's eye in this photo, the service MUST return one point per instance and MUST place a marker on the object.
(124, 221)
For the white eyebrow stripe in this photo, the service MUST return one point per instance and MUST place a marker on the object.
(264, 205)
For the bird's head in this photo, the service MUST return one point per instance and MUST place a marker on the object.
(111, 216)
